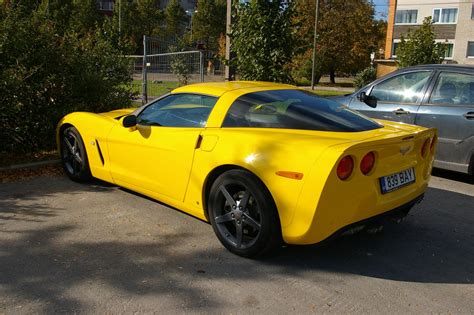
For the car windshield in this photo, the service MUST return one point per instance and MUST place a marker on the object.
(294, 109)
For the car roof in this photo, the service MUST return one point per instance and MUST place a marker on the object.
(219, 88)
(439, 67)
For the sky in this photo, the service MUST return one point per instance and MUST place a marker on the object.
(381, 8)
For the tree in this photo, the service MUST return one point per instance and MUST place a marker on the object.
(347, 33)
(208, 23)
(47, 71)
(420, 47)
(263, 40)
(85, 15)
(176, 18)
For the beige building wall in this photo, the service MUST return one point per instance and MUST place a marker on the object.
(458, 34)
(464, 33)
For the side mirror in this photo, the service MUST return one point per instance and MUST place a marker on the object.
(129, 121)
(367, 99)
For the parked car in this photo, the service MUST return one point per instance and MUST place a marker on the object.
(263, 162)
(435, 96)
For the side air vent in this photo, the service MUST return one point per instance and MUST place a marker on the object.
(100, 152)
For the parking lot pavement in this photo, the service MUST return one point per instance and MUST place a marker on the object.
(67, 247)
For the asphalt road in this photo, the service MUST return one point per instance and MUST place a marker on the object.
(72, 248)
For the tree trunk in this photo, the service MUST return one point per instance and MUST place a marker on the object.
(317, 78)
(332, 76)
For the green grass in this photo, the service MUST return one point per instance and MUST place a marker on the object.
(154, 89)
(329, 93)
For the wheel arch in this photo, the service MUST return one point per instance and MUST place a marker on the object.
(60, 130)
(219, 170)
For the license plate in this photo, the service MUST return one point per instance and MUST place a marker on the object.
(392, 182)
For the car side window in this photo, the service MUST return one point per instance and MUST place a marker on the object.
(403, 88)
(453, 89)
(178, 110)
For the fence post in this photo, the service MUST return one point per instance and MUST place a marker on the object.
(144, 74)
(201, 66)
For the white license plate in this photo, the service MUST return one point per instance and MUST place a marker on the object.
(391, 182)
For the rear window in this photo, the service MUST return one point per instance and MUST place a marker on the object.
(294, 109)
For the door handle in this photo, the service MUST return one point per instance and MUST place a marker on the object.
(469, 115)
(401, 111)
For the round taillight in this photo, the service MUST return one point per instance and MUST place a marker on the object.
(367, 163)
(345, 167)
(424, 148)
(433, 142)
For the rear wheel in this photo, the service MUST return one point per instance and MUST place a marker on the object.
(243, 214)
(74, 155)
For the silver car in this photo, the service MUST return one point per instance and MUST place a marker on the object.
(439, 96)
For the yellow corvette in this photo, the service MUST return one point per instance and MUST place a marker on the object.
(263, 162)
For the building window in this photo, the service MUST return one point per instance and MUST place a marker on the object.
(470, 49)
(406, 16)
(394, 49)
(106, 5)
(448, 54)
(445, 16)
(472, 12)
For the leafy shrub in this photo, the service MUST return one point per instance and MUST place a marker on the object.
(420, 47)
(365, 77)
(47, 72)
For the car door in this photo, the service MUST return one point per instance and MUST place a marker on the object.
(398, 96)
(449, 107)
(157, 153)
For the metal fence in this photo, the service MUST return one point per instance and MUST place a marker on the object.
(162, 68)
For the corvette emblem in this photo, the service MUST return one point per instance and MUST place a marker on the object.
(405, 150)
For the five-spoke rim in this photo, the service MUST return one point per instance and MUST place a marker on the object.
(71, 154)
(238, 218)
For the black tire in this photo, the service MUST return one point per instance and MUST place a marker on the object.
(74, 156)
(256, 221)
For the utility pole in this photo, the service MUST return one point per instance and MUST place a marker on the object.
(314, 43)
(228, 74)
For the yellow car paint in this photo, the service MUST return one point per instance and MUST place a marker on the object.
(173, 165)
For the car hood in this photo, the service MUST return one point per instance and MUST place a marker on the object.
(115, 114)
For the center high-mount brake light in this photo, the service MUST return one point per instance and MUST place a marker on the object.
(345, 167)
(367, 163)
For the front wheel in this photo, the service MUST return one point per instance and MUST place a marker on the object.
(243, 214)
(74, 155)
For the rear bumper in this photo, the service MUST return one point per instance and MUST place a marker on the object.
(394, 214)
(327, 204)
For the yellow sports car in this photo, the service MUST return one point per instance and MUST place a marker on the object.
(265, 163)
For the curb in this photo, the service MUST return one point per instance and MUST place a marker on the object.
(29, 165)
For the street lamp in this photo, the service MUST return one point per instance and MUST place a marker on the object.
(191, 13)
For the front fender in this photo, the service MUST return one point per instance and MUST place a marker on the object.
(93, 129)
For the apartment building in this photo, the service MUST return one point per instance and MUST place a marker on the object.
(453, 25)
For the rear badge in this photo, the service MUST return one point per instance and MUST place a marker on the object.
(405, 150)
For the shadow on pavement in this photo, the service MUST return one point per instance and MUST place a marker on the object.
(460, 177)
(435, 244)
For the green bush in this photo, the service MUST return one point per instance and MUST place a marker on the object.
(365, 77)
(47, 72)
(420, 47)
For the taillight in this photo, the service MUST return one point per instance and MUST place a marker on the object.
(345, 167)
(433, 142)
(367, 163)
(425, 146)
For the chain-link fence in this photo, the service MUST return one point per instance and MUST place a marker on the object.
(162, 67)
